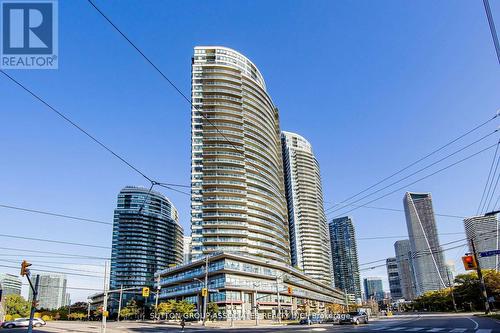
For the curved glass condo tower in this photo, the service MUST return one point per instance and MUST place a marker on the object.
(238, 199)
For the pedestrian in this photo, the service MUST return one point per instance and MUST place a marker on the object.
(183, 324)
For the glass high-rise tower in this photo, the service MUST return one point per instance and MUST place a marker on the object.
(428, 261)
(345, 256)
(485, 233)
(238, 198)
(309, 235)
(404, 261)
(147, 237)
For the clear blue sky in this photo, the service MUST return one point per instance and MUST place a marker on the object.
(372, 85)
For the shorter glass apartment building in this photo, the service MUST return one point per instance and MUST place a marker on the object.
(240, 282)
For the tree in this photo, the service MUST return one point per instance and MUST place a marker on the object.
(131, 310)
(164, 308)
(16, 305)
(77, 316)
(212, 310)
(468, 288)
(183, 308)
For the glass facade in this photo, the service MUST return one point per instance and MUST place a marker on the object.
(429, 269)
(10, 284)
(484, 231)
(245, 280)
(309, 235)
(373, 288)
(238, 197)
(393, 277)
(146, 237)
(345, 256)
(404, 260)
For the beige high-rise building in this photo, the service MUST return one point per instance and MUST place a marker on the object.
(238, 198)
(309, 235)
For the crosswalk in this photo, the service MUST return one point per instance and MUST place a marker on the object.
(429, 329)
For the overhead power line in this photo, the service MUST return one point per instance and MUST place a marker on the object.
(479, 208)
(422, 178)
(418, 161)
(92, 137)
(65, 254)
(55, 214)
(417, 171)
(58, 267)
(174, 86)
(54, 241)
(399, 210)
(55, 272)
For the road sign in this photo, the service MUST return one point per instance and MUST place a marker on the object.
(204, 292)
(145, 292)
(489, 253)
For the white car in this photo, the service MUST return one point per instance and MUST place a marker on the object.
(23, 322)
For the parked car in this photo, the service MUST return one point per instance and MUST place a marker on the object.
(23, 322)
(311, 320)
(355, 318)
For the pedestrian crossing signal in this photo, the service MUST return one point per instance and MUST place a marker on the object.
(469, 262)
(290, 290)
(145, 292)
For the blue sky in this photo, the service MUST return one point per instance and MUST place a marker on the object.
(372, 85)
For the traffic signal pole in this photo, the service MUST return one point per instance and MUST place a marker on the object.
(481, 278)
(33, 302)
(205, 299)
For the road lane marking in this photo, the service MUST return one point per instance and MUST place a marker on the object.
(416, 329)
(380, 328)
(400, 328)
(483, 330)
(475, 323)
(437, 329)
(458, 330)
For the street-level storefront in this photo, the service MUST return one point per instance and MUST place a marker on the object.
(242, 285)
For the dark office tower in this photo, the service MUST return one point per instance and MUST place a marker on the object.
(146, 237)
(373, 288)
(393, 277)
(428, 262)
(309, 238)
(402, 250)
(345, 256)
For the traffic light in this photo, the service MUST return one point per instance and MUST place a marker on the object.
(290, 290)
(469, 262)
(24, 268)
(204, 292)
(145, 292)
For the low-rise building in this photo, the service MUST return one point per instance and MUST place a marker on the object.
(248, 284)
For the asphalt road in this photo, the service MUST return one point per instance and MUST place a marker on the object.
(426, 323)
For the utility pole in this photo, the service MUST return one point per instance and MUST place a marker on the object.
(88, 309)
(346, 300)
(158, 287)
(279, 301)
(481, 279)
(452, 291)
(120, 302)
(33, 302)
(205, 298)
(105, 300)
